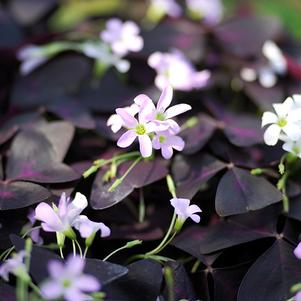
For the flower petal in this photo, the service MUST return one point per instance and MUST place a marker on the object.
(268, 117)
(127, 139)
(128, 120)
(87, 283)
(293, 131)
(271, 134)
(47, 215)
(145, 144)
(165, 99)
(167, 152)
(177, 110)
(51, 290)
(297, 251)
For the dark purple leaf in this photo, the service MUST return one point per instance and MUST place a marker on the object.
(183, 288)
(7, 292)
(272, 275)
(145, 172)
(6, 134)
(196, 137)
(17, 194)
(239, 192)
(244, 37)
(191, 172)
(33, 157)
(142, 282)
(74, 112)
(59, 77)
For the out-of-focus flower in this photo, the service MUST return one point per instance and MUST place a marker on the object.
(60, 219)
(123, 37)
(14, 265)
(210, 12)
(267, 72)
(167, 142)
(160, 8)
(284, 121)
(68, 281)
(184, 210)
(297, 251)
(116, 122)
(176, 70)
(31, 57)
(293, 147)
(101, 52)
(88, 228)
(34, 233)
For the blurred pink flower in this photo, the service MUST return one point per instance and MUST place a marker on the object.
(122, 37)
(68, 281)
(175, 69)
(14, 265)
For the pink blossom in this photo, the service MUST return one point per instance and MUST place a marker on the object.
(161, 114)
(122, 37)
(140, 129)
(68, 281)
(176, 70)
(167, 142)
(184, 211)
(88, 228)
(116, 122)
(61, 218)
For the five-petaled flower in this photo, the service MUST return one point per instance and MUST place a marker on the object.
(282, 123)
(68, 281)
(123, 37)
(184, 210)
(174, 69)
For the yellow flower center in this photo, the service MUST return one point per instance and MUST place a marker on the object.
(140, 129)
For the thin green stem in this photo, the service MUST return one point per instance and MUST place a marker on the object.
(141, 206)
(22, 293)
(165, 240)
(73, 247)
(30, 230)
(195, 266)
(114, 252)
(61, 252)
(79, 248)
(85, 252)
(6, 253)
(120, 180)
(34, 288)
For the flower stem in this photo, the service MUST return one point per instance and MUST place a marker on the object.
(73, 247)
(141, 206)
(85, 252)
(128, 245)
(61, 252)
(79, 248)
(34, 288)
(120, 180)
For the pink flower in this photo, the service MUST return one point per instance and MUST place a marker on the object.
(184, 211)
(161, 114)
(297, 297)
(176, 70)
(140, 129)
(88, 228)
(211, 12)
(68, 281)
(167, 142)
(35, 233)
(123, 37)
(116, 122)
(15, 265)
(61, 218)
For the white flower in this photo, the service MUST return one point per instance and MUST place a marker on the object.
(284, 122)
(293, 147)
(184, 210)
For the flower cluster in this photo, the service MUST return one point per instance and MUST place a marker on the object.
(116, 41)
(268, 71)
(15, 265)
(61, 219)
(68, 281)
(285, 125)
(153, 127)
(175, 69)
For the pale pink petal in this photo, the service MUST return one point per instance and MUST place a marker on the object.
(73, 293)
(136, 44)
(74, 266)
(55, 268)
(87, 283)
(155, 59)
(196, 218)
(145, 144)
(297, 251)
(166, 151)
(51, 290)
(127, 139)
(165, 99)
(176, 142)
(105, 231)
(271, 134)
(177, 110)
(128, 120)
(156, 143)
(46, 214)
(200, 79)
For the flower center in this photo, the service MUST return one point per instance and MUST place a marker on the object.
(160, 116)
(66, 283)
(162, 139)
(282, 122)
(140, 129)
